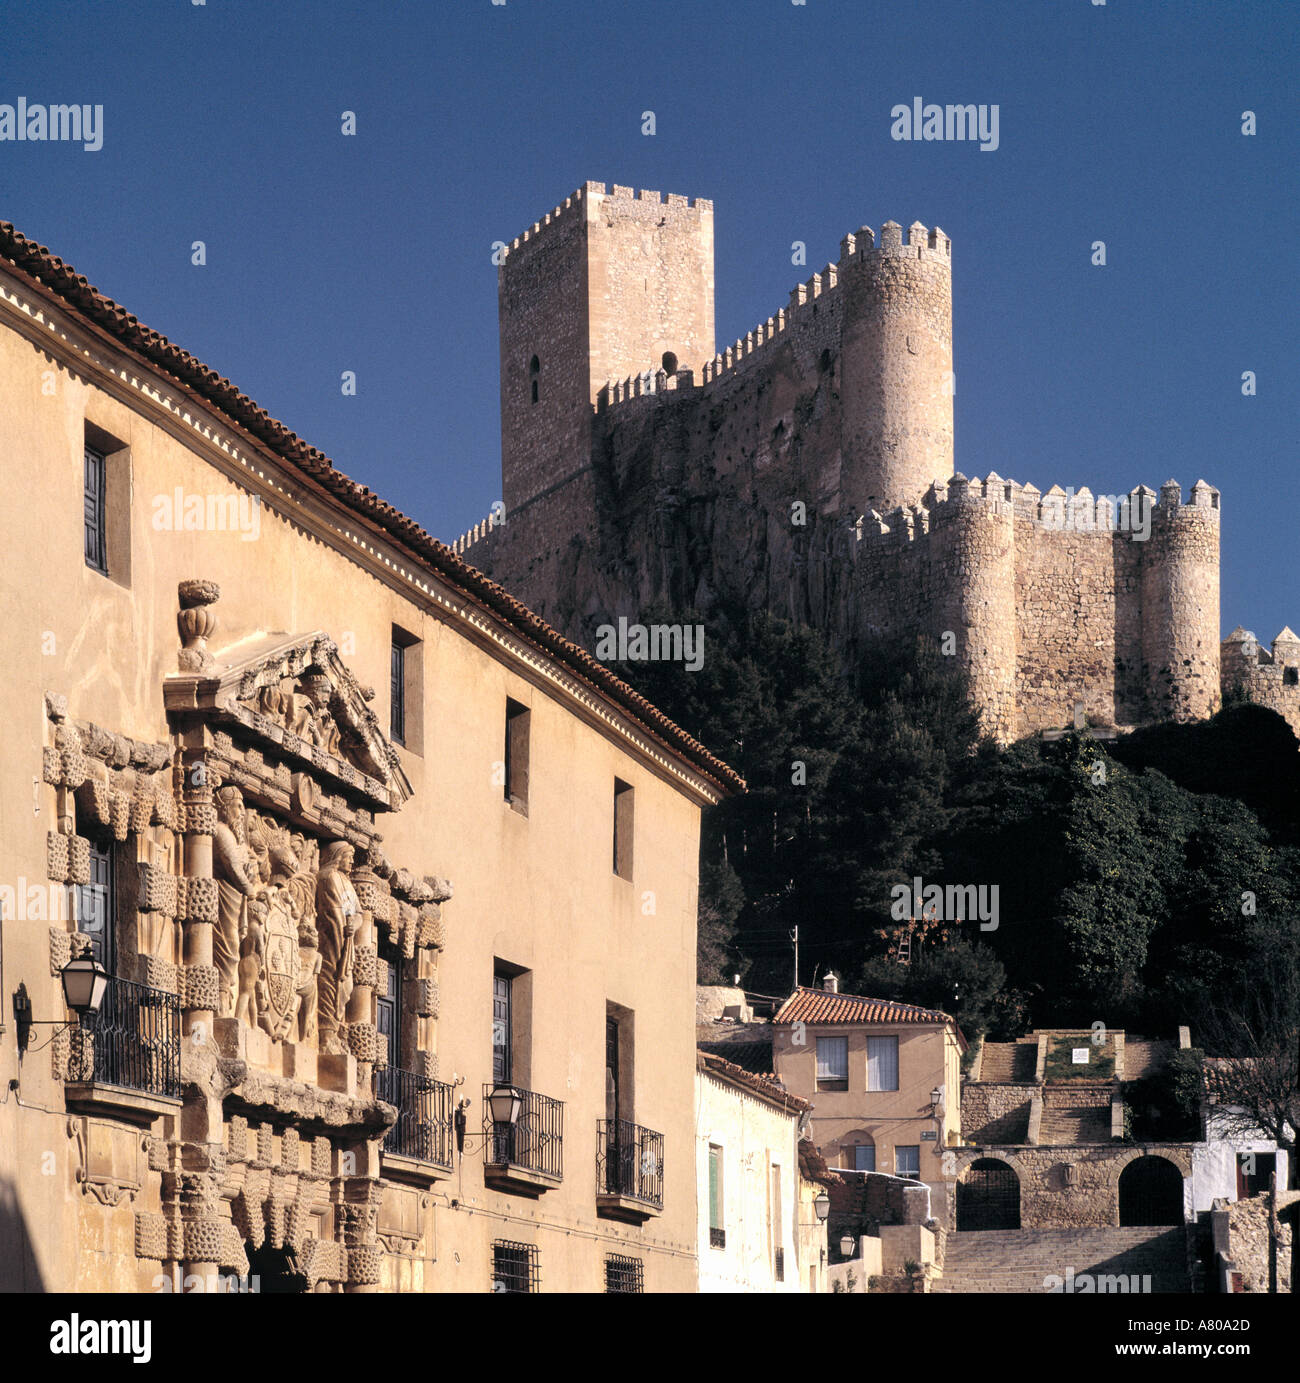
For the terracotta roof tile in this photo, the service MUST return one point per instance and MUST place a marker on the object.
(820, 1006)
(35, 263)
(766, 1086)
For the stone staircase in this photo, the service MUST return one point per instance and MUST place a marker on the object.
(1020, 1260)
(1001, 1062)
(1069, 1124)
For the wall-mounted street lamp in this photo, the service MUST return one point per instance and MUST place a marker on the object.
(821, 1206)
(848, 1244)
(505, 1103)
(84, 983)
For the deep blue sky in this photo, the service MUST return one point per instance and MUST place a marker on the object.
(1119, 122)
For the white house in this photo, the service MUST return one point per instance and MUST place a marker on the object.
(757, 1223)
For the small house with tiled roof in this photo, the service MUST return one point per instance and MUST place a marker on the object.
(884, 1079)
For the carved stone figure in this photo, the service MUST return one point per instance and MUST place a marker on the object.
(338, 916)
(304, 711)
(235, 869)
(252, 996)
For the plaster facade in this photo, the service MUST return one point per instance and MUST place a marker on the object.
(204, 715)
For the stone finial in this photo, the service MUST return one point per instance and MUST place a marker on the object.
(891, 236)
(917, 233)
(1287, 639)
(865, 238)
(1203, 495)
(197, 622)
(1171, 493)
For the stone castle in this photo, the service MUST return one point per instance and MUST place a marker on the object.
(808, 469)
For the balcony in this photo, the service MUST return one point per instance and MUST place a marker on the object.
(528, 1156)
(420, 1141)
(629, 1170)
(132, 1048)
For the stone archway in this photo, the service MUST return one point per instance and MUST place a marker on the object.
(275, 1268)
(988, 1196)
(1150, 1192)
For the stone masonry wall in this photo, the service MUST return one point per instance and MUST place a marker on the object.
(806, 471)
(1266, 678)
(995, 1113)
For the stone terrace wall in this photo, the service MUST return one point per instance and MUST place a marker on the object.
(995, 1113)
(1248, 1242)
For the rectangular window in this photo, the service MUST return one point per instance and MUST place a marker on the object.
(97, 905)
(514, 1266)
(864, 1157)
(882, 1063)
(516, 776)
(406, 690)
(832, 1063)
(96, 525)
(388, 1008)
(397, 693)
(775, 1235)
(501, 1027)
(623, 1274)
(622, 829)
(717, 1230)
(907, 1161)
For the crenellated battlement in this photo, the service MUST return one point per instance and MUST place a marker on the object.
(805, 300)
(460, 546)
(583, 196)
(1053, 511)
(1266, 676)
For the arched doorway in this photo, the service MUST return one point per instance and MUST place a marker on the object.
(276, 1269)
(1150, 1192)
(988, 1196)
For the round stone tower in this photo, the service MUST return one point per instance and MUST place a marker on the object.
(1180, 605)
(896, 368)
(975, 578)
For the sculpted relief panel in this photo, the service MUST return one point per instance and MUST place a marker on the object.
(288, 914)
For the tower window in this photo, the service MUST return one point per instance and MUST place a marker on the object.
(534, 369)
(670, 363)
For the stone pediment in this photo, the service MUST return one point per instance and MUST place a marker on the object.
(294, 695)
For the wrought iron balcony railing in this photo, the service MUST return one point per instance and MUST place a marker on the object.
(629, 1162)
(137, 1039)
(534, 1143)
(424, 1115)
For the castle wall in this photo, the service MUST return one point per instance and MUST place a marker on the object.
(1265, 678)
(650, 281)
(1078, 614)
(807, 470)
(542, 307)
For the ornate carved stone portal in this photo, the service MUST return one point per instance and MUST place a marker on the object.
(264, 900)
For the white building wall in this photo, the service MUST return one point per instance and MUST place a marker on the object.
(1214, 1165)
(752, 1135)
